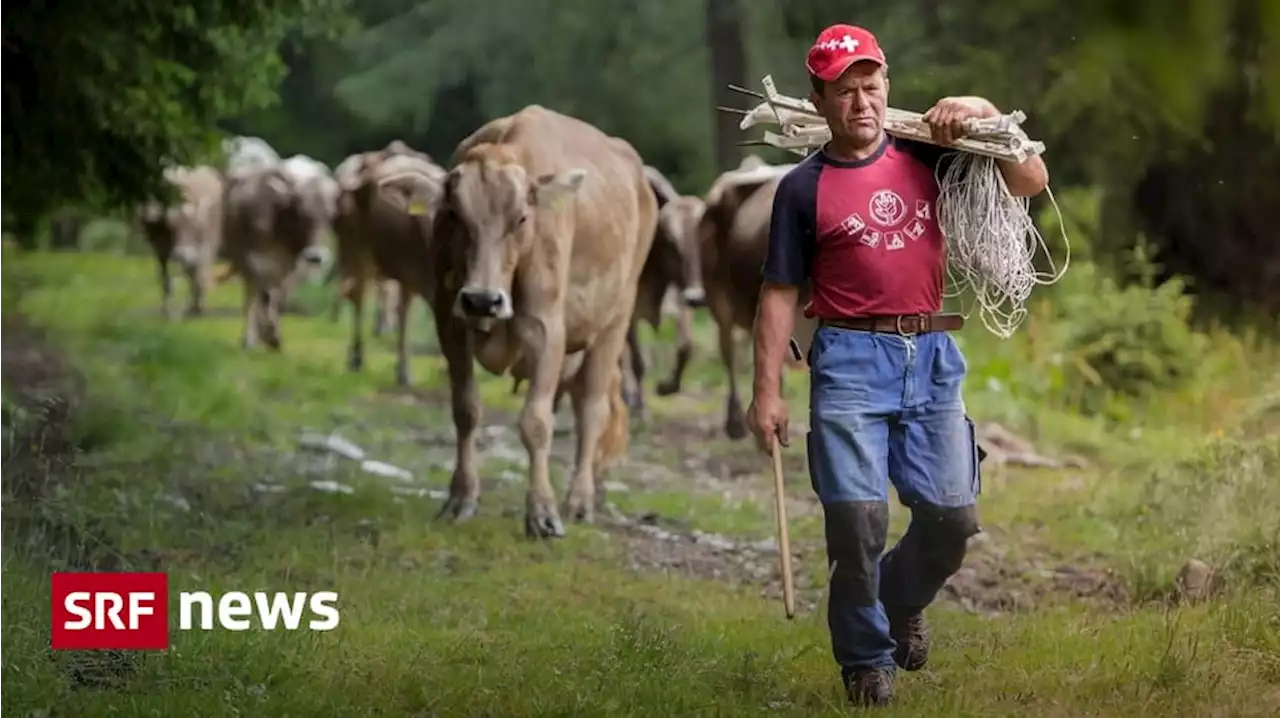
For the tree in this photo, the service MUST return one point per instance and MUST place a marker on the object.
(100, 96)
(635, 70)
(728, 67)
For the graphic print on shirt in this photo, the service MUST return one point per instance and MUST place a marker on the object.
(853, 224)
(887, 208)
(922, 209)
(864, 234)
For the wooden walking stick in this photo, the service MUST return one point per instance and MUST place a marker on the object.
(784, 542)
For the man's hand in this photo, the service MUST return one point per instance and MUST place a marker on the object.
(767, 418)
(946, 118)
(946, 122)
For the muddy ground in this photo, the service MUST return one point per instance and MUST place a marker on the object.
(673, 455)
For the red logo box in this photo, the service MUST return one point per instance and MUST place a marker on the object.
(122, 611)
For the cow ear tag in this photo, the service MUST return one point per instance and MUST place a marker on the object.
(417, 208)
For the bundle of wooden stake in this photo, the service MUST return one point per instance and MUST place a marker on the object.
(804, 130)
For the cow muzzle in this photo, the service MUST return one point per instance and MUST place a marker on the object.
(315, 256)
(694, 297)
(483, 304)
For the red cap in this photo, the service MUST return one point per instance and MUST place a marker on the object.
(838, 47)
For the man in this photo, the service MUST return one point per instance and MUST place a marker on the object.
(857, 220)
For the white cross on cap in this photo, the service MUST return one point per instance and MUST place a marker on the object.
(848, 43)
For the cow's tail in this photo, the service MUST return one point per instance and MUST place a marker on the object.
(616, 439)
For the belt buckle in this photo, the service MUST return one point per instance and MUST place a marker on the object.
(922, 321)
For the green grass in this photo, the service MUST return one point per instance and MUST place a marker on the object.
(472, 619)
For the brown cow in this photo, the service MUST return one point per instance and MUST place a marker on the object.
(673, 261)
(347, 223)
(274, 219)
(189, 233)
(734, 238)
(546, 225)
(385, 237)
(310, 173)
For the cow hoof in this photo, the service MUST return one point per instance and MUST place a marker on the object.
(402, 376)
(355, 360)
(580, 508)
(540, 524)
(736, 429)
(667, 388)
(457, 509)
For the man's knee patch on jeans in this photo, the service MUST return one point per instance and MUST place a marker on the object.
(944, 533)
(856, 532)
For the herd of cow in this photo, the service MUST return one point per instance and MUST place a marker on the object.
(538, 249)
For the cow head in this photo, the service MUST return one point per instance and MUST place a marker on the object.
(313, 209)
(411, 184)
(494, 202)
(677, 247)
(297, 210)
(180, 227)
(187, 223)
(365, 170)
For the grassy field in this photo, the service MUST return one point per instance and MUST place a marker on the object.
(136, 442)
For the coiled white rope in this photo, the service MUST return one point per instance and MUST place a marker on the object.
(991, 240)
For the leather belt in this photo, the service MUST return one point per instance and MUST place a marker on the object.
(903, 324)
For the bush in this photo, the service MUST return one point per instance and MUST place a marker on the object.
(112, 236)
(1126, 343)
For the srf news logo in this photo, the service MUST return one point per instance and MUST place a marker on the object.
(130, 611)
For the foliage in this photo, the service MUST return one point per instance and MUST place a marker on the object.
(1127, 343)
(634, 69)
(98, 97)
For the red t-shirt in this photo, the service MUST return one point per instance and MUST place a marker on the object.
(864, 234)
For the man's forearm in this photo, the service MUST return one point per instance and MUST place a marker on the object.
(1026, 179)
(775, 319)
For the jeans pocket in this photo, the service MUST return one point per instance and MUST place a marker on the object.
(815, 347)
(977, 454)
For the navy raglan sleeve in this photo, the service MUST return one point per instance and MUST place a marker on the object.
(791, 229)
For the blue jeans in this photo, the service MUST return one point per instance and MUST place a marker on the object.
(887, 408)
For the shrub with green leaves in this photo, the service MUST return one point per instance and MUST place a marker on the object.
(1124, 343)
